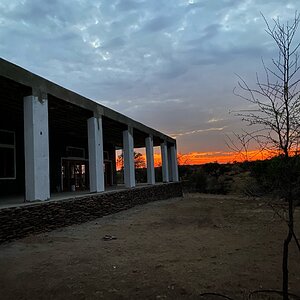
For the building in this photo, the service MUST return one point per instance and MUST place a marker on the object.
(54, 140)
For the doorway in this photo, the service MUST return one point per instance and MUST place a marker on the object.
(74, 175)
(108, 173)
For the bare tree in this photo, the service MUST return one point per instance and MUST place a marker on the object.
(182, 160)
(274, 116)
(240, 144)
(139, 160)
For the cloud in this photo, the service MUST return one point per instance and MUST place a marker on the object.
(135, 56)
(214, 120)
(115, 43)
(197, 131)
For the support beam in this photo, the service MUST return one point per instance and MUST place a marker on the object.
(174, 164)
(36, 144)
(128, 157)
(164, 158)
(96, 164)
(150, 160)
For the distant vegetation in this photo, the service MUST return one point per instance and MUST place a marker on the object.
(249, 178)
(255, 178)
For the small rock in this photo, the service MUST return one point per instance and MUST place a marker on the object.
(109, 237)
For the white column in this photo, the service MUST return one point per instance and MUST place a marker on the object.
(36, 144)
(164, 158)
(174, 168)
(170, 164)
(150, 160)
(96, 167)
(128, 157)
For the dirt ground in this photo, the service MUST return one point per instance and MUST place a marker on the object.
(173, 249)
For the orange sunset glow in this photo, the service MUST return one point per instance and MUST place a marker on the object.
(222, 157)
(198, 158)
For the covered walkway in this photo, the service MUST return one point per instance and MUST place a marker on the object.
(52, 139)
(20, 220)
(15, 201)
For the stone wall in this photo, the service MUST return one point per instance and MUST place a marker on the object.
(17, 222)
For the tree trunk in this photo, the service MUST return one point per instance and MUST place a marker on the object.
(285, 256)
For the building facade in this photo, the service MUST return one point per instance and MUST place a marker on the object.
(54, 140)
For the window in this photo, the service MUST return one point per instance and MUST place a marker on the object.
(7, 155)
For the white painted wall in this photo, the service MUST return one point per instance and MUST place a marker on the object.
(128, 153)
(150, 160)
(96, 163)
(164, 160)
(174, 168)
(170, 164)
(36, 143)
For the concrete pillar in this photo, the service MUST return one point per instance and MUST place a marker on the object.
(170, 164)
(128, 157)
(36, 144)
(96, 164)
(164, 158)
(150, 160)
(174, 165)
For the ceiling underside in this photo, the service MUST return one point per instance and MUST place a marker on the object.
(65, 119)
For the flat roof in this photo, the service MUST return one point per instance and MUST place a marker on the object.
(41, 86)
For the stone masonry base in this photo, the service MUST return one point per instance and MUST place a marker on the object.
(20, 221)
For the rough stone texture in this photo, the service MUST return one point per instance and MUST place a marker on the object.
(17, 222)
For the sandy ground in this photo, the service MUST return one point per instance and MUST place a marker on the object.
(174, 249)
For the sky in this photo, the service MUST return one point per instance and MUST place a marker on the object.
(171, 65)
